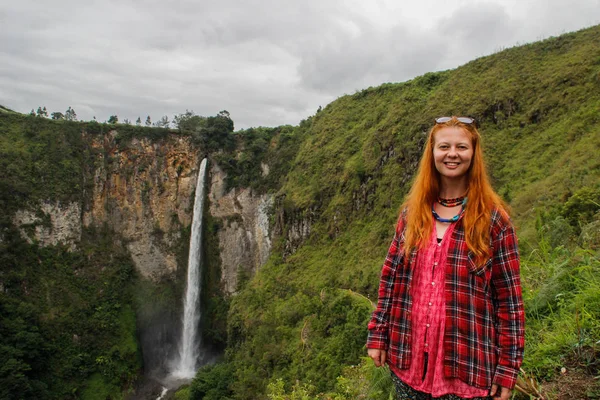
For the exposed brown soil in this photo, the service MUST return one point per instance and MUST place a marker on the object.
(572, 385)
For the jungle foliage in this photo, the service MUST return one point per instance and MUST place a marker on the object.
(67, 322)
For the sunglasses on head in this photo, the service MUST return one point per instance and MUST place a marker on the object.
(464, 120)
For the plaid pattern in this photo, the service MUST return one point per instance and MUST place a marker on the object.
(484, 325)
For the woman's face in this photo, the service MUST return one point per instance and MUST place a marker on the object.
(452, 152)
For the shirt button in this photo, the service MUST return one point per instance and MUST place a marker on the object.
(435, 263)
(429, 303)
(427, 325)
(439, 244)
(426, 345)
(433, 283)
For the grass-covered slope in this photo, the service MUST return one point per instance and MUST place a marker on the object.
(537, 106)
(303, 317)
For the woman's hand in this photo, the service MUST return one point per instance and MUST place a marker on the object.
(500, 392)
(378, 356)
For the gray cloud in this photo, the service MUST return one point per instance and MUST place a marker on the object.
(267, 62)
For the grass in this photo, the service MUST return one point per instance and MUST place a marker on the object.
(344, 172)
(540, 136)
(562, 295)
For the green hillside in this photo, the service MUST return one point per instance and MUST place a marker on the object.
(297, 329)
(301, 319)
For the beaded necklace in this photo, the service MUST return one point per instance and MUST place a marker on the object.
(454, 218)
(451, 202)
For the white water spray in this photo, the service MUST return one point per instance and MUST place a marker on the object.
(185, 367)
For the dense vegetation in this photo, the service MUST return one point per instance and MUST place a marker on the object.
(300, 321)
(67, 323)
(296, 330)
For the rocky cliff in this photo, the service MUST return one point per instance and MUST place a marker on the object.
(245, 238)
(144, 192)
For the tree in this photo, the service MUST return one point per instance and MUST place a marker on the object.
(32, 113)
(113, 119)
(163, 122)
(188, 121)
(23, 345)
(42, 112)
(57, 115)
(225, 121)
(70, 114)
(138, 121)
(148, 121)
(211, 133)
(126, 121)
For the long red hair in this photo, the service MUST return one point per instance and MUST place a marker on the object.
(482, 198)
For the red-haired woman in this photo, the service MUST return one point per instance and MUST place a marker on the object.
(449, 320)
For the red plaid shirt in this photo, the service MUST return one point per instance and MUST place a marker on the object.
(484, 332)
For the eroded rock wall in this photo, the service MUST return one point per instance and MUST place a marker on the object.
(51, 224)
(144, 191)
(245, 238)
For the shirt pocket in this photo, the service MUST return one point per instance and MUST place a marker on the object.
(480, 275)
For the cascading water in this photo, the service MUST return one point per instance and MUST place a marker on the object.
(185, 365)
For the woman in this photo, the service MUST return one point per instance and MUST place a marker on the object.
(449, 320)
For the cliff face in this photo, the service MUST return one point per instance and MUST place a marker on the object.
(245, 239)
(144, 192)
(295, 226)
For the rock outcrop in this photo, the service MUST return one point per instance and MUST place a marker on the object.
(245, 239)
(295, 226)
(51, 224)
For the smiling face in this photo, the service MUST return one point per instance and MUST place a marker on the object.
(452, 153)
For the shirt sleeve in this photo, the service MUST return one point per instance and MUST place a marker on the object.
(379, 323)
(508, 302)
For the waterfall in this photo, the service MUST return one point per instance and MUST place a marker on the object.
(185, 367)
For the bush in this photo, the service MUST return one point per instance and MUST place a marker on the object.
(581, 207)
(212, 382)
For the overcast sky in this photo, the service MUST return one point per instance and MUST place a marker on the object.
(267, 62)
